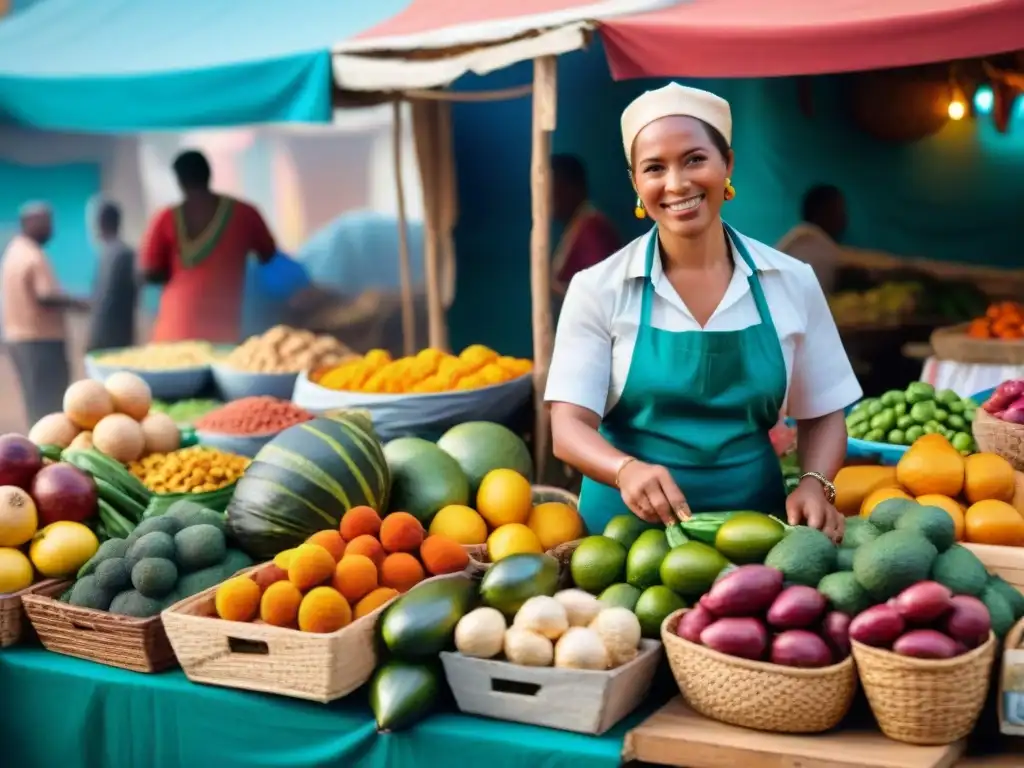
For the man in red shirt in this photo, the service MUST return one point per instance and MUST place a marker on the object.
(588, 236)
(198, 250)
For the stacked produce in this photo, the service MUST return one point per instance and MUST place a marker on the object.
(431, 370)
(1003, 320)
(186, 412)
(900, 418)
(113, 416)
(1007, 402)
(305, 479)
(286, 350)
(167, 356)
(338, 576)
(981, 493)
(253, 416)
(163, 560)
(572, 630)
(888, 303)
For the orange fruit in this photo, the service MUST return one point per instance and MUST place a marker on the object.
(994, 522)
(504, 497)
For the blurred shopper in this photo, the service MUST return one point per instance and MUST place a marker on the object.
(588, 237)
(115, 292)
(815, 240)
(198, 251)
(33, 314)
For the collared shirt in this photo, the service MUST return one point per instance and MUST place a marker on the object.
(600, 318)
(25, 277)
(810, 244)
(115, 294)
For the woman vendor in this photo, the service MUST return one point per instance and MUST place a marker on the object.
(675, 356)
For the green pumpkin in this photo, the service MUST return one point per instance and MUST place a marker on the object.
(304, 480)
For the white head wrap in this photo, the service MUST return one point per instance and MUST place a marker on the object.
(670, 100)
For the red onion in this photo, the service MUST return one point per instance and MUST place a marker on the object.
(63, 492)
(19, 461)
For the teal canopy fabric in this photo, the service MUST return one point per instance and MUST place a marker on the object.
(129, 65)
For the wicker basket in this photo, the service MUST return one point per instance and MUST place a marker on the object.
(1001, 437)
(925, 701)
(259, 657)
(480, 561)
(953, 343)
(12, 613)
(106, 638)
(755, 694)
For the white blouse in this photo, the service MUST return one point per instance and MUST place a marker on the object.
(600, 317)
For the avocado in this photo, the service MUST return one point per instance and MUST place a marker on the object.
(114, 575)
(110, 548)
(402, 693)
(194, 514)
(512, 581)
(892, 562)
(844, 558)
(235, 560)
(845, 593)
(87, 593)
(152, 544)
(644, 559)
(1012, 595)
(886, 513)
(421, 623)
(198, 547)
(1000, 611)
(960, 569)
(935, 524)
(131, 603)
(154, 576)
(197, 581)
(859, 530)
(805, 556)
(164, 524)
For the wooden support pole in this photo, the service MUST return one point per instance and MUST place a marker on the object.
(545, 93)
(404, 269)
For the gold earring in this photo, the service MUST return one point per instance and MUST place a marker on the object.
(638, 210)
(730, 190)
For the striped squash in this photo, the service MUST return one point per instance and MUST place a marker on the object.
(305, 479)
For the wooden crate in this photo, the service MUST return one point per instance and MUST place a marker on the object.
(676, 735)
(13, 621)
(577, 700)
(139, 645)
(259, 657)
(1010, 701)
(1007, 562)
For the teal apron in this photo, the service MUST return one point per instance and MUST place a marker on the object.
(700, 403)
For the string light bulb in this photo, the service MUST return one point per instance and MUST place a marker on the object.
(957, 108)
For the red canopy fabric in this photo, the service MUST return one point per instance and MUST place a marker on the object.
(768, 38)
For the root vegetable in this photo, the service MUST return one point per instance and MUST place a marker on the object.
(923, 602)
(800, 648)
(926, 644)
(160, 433)
(20, 460)
(837, 631)
(120, 437)
(693, 622)
(87, 402)
(748, 590)
(54, 429)
(968, 621)
(796, 607)
(130, 394)
(878, 626)
(745, 637)
(581, 648)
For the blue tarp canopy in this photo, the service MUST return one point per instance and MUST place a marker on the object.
(136, 65)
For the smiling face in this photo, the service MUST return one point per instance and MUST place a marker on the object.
(679, 172)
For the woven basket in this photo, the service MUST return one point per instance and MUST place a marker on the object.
(925, 701)
(106, 638)
(260, 657)
(480, 561)
(1001, 437)
(12, 612)
(755, 694)
(953, 343)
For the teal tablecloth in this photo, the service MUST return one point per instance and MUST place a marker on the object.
(60, 712)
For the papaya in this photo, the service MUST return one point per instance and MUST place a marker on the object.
(854, 484)
(931, 465)
(421, 623)
(402, 693)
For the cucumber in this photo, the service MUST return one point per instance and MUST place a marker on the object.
(402, 693)
(421, 623)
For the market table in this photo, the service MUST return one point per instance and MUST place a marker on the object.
(60, 711)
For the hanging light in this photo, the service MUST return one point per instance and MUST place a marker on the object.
(957, 108)
(984, 100)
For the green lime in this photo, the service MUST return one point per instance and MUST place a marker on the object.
(654, 605)
(644, 558)
(884, 421)
(621, 596)
(896, 437)
(597, 563)
(874, 436)
(941, 414)
(625, 529)
(691, 568)
(746, 537)
(912, 434)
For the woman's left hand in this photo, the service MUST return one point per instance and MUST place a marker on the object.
(807, 505)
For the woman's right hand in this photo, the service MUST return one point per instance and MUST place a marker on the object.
(651, 494)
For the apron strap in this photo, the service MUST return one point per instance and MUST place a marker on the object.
(648, 294)
(755, 283)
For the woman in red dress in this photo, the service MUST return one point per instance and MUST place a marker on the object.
(198, 250)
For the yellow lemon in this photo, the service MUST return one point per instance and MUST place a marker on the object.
(555, 523)
(61, 548)
(18, 518)
(512, 539)
(15, 570)
(460, 523)
(504, 497)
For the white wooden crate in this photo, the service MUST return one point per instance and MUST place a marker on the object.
(577, 700)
